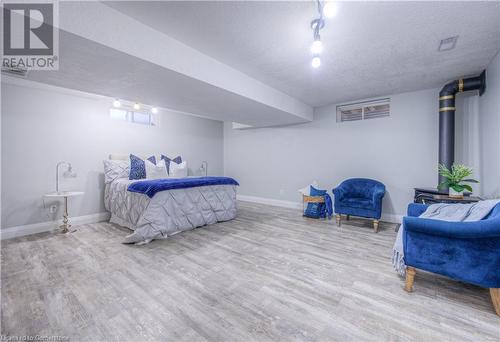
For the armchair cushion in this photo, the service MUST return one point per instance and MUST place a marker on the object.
(357, 202)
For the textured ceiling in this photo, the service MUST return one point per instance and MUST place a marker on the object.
(371, 48)
(87, 66)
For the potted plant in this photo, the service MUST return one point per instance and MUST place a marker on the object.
(455, 179)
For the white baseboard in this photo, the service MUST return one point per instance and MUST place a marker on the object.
(270, 201)
(393, 218)
(12, 232)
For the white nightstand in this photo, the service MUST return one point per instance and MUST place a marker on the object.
(64, 194)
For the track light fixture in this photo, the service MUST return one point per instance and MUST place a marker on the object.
(316, 62)
(326, 9)
(317, 45)
(330, 9)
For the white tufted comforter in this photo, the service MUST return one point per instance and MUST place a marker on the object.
(168, 212)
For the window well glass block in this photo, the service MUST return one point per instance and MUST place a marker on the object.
(141, 118)
(118, 114)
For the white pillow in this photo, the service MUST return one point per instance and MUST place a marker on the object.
(155, 171)
(178, 170)
(114, 169)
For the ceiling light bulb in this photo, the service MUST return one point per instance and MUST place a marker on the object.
(154, 110)
(116, 103)
(330, 9)
(317, 47)
(137, 106)
(316, 62)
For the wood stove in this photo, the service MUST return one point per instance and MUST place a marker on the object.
(447, 137)
(432, 195)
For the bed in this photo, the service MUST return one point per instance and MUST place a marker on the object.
(156, 209)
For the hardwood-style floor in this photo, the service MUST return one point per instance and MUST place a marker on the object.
(269, 275)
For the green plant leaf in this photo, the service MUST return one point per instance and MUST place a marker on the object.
(457, 187)
(467, 187)
(443, 171)
(458, 173)
(470, 180)
(443, 185)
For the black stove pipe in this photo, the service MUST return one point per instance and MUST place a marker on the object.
(447, 115)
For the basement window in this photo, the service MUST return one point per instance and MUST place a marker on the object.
(364, 110)
(148, 119)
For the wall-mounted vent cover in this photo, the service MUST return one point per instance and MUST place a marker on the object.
(353, 114)
(448, 44)
(17, 72)
(364, 110)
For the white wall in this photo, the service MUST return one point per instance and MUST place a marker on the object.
(41, 126)
(0, 151)
(468, 135)
(489, 108)
(400, 151)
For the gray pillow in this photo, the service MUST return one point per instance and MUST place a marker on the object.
(114, 169)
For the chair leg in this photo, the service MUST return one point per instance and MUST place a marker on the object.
(410, 277)
(495, 298)
(375, 226)
(338, 219)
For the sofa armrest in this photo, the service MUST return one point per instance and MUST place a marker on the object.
(416, 209)
(339, 193)
(462, 230)
(378, 193)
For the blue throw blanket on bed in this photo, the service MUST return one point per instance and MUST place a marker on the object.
(152, 186)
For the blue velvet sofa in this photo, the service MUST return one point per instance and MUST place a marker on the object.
(464, 251)
(359, 197)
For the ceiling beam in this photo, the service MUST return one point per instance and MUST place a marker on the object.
(106, 26)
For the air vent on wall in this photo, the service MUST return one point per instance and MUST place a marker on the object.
(351, 114)
(447, 44)
(17, 72)
(364, 110)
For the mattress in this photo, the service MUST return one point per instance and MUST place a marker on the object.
(167, 212)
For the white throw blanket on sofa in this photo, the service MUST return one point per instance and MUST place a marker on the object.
(445, 212)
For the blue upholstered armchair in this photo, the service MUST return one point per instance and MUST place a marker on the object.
(464, 251)
(359, 197)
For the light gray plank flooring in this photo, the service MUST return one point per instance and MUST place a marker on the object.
(269, 275)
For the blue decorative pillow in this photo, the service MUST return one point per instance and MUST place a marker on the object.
(316, 210)
(176, 160)
(317, 192)
(138, 168)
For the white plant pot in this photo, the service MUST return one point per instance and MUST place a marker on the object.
(456, 194)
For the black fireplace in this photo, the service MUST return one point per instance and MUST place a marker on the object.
(447, 135)
(432, 195)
